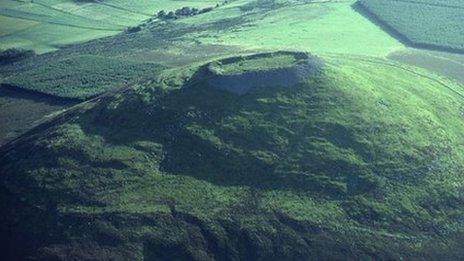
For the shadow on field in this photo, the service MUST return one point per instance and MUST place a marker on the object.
(20, 110)
(12, 92)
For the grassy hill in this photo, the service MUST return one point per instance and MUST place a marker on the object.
(361, 161)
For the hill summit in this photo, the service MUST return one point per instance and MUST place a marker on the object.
(241, 74)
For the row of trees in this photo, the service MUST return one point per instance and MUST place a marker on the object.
(182, 12)
(185, 11)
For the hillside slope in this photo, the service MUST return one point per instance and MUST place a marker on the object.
(360, 161)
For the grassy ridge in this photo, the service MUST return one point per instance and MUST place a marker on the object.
(426, 24)
(347, 160)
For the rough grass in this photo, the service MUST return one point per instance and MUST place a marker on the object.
(348, 160)
(364, 161)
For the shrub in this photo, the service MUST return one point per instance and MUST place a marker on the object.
(14, 54)
(134, 29)
(182, 12)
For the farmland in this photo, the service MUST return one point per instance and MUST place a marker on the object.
(47, 25)
(319, 27)
(231, 28)
(426, 24)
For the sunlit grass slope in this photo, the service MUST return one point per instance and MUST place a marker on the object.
(363, 161)
(316, 26)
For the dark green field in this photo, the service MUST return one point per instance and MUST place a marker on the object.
(231, 130)
(21, 110)
(433, 24)
(80, 77)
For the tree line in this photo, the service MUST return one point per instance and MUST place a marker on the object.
(185, 12)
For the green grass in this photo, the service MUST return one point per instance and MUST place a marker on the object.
(365, 157)
(316, 27)
(255, 64)
(228, 30)
(46, 25)
(10, 25)
(363, 161)
(429, 24)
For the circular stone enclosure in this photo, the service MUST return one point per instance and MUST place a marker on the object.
(241, 74)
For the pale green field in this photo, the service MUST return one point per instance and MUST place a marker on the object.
(319, 27)
(46, 25)
(10, 25)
